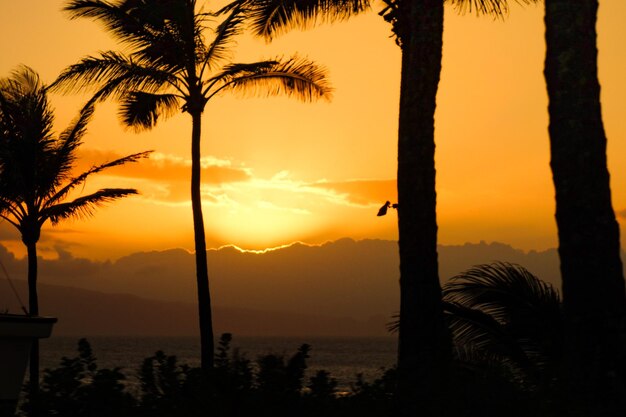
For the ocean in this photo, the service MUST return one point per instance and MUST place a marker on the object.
(343, 358)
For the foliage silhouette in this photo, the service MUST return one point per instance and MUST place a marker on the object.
(78, 388)
(594, 297)
(171, 67)
(273, 385)
(501, 313)
(424, 351)
(36, 178)
(505, 320)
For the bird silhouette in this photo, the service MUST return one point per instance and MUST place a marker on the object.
(383, 210)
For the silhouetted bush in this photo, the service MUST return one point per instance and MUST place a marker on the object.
(78, 388)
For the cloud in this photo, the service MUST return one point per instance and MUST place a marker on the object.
(168, 168)
(8, 231)
(164, 179)
(363, 192)
(621, 214)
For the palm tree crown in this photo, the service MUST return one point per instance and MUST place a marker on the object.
(170, 65)
(36, 167)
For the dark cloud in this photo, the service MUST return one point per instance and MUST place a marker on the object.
(8, 231)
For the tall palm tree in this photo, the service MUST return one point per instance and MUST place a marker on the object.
(424, 342)
(589, 242)
(36, 173)
(172, 67)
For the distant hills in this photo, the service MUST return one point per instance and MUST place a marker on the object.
(340, 287)
(88, 313)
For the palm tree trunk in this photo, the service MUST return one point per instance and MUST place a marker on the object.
(33, 308)
(202, 273)
(589, 244)
(424, 343)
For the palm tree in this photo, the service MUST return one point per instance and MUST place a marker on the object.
(589, 242)
(424, 343)
(171, 67)
(36, 173)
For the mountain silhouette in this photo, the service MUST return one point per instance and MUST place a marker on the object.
(356, 280)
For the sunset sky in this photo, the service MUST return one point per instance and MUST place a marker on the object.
(278, 170)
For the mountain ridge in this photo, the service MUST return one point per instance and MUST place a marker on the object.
(344, 278)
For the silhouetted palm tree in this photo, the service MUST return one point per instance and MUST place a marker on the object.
(171, 67)
(423, 353)
(36, 172)
(589, 243)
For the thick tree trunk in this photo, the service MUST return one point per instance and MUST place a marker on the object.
(424, 342)
(202, 273)
(589, 243)
(33, 309)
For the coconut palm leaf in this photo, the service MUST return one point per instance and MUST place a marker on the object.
(497, 8)
(525, 307)
(125, 21)
(500, 312)
(501, 290)
(114, 74)
(296, 76)
(272, 17)
(142, 110)
(155, 29)
(226, 31)
(80, 179)
(475, 332)
(64, 156)
(84, 206)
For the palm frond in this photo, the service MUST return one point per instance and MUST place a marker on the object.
(230, 27)
(152, 28)
(273, 17)
(501, 288)
(120, 18)
(113, 74)
(296, 77)
(65, 149)
(527, 308)
(83, 206)
(497, 8)
(12, 211)
(142, 110)
(80, 179)
(478, 330)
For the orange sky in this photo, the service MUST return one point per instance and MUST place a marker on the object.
(279, 171)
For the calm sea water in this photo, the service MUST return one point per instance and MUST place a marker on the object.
(342, 357)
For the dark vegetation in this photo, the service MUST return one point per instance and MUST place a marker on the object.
(272, 385)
